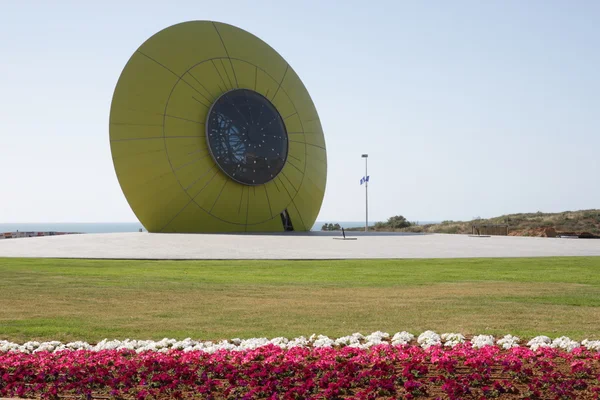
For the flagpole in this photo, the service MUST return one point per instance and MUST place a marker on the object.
(366, 156)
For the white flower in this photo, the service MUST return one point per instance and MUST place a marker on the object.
(249, 344)
(356, 340)
(347, 341)
(78, 346)
(29, 347)
(402, 338)
(184, 344)
(359, 345)
(588, 344)
(280, 342)
(225, 345)
(298, 342)
(428, 339)
(323, 341)
(452, 339)
(377, 337)
(48, 346)
(480, 341)
(539, 341)
(564, 343)
(6, 346)
(508, 342)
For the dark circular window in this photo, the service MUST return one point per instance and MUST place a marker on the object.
(247, 137)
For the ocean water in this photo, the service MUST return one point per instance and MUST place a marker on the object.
(80, 227)
(113, 227)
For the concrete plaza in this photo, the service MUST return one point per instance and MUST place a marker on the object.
(311, 245)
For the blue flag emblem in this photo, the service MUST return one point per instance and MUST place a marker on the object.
(364, 179)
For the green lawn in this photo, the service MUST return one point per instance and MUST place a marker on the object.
(93, 299)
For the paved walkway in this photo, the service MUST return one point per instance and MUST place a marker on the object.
(313, 245)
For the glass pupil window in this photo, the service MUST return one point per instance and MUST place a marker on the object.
(247, 137)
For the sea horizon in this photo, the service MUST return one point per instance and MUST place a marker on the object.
(119, 227)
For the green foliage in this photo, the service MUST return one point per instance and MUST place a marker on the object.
(397, 222)
(380, 225)
(331, 227)
(393, 223)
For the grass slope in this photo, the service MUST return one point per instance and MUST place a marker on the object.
(93, 299)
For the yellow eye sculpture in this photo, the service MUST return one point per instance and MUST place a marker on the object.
(211, 130)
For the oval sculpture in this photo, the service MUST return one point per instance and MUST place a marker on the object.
(212, 131)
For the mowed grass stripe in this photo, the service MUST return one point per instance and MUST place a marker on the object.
(49, 299)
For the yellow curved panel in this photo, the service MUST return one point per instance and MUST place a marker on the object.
(232, 204)
(158, 132)
(180, 47)
(242, 45)
(294, 88)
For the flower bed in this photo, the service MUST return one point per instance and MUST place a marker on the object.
(376, 366)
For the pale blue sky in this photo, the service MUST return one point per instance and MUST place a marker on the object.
(466, 108)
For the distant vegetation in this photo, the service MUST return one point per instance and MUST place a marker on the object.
(529, 224)
(396, 222)
(331, 227)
